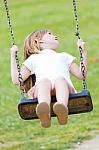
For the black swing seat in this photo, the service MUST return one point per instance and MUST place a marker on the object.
(78, 103)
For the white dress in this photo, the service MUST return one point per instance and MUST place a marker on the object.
(50, 64)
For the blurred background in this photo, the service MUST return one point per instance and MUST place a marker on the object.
(57, 16)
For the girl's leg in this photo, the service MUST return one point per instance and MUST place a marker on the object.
(62, 91)
(44, 98)
(44, 91)
(62, 95)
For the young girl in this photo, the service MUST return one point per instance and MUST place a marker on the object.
(51, 71)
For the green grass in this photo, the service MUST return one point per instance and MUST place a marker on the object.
(56, 15)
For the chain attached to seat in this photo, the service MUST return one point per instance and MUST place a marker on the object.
(20, 79)
(80, 49)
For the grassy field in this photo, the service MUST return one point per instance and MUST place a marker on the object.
(56, 15)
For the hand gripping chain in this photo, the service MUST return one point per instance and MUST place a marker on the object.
(13, 42)
(80, 49)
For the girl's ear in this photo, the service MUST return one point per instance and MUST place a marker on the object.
(40, 41)
(36, 41)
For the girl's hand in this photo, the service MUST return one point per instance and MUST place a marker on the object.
(32, 93)
(14, 50)
(81, 43)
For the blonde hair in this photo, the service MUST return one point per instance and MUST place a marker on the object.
(31, 46)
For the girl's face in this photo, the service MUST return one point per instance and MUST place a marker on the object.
(50, 41)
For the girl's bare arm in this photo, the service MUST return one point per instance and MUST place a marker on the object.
(14, 71)
(75, 69)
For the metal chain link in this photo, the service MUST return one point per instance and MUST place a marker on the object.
(80, 49)
(20, 79)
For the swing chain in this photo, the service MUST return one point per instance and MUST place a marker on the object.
(77, 33)
(20, 79)
(83, 69)
(80, 49)
(8, 18)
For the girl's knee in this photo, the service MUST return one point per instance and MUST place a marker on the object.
(60, 79)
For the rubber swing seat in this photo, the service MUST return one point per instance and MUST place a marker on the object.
(78, 103)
